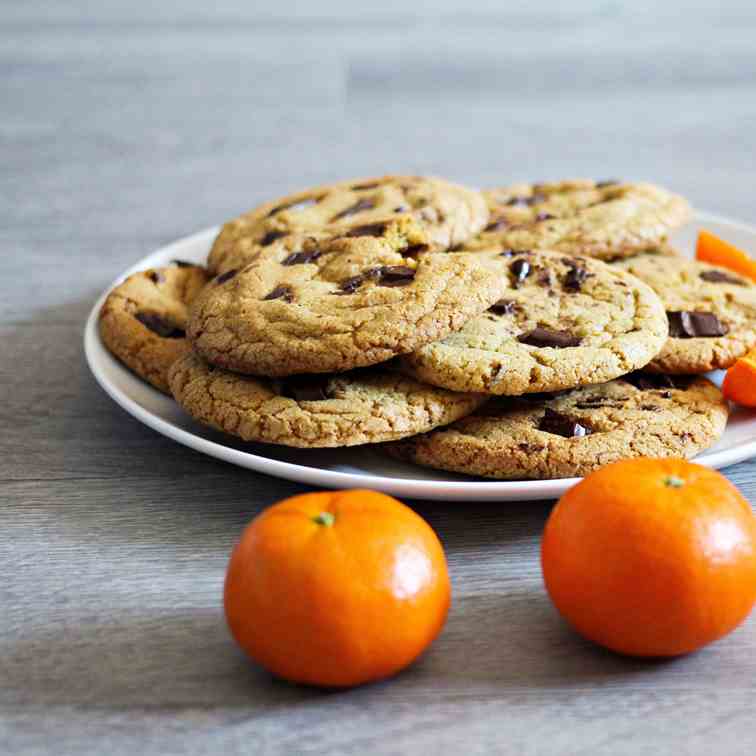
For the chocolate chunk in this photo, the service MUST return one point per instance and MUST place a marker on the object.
(296, 205)
(362, 187)
(156, 276)
(606, 182)
(544, 216)
(281, 292)
(542, 337)
(395, 275)
(370, 229)
(350, 285)
(575, 276)
(503, 307)
(563, 425)
(719, 276)
(497, 224)
(303, 388)
(545, 278)
(401, 209)
(159, 325)
(657, 381)
(688, 325)
(300, 258)
(271, 236)
(357, 207)
(526, 201)
(520, 270)
(415, 250)
(227, 276)
(183, 264)
(650, 407)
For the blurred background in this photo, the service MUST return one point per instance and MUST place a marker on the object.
(127, 124)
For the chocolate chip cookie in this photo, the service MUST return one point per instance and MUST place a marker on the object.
(711, 312)
(577, 432)
(358, 407)
(564, 322)
(332, 305)
(143, 320)
(442, 214)
(601, 219)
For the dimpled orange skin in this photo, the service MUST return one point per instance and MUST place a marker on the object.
(652, 557)
(341, 598)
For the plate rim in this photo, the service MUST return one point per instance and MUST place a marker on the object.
(523, 490)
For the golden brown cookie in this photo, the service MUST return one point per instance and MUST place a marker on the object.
(711, 312)
(601, 219)
(143, 320)
(333, 305)
(564, 322)
(442, 214)
(574, 433)
(358, 407)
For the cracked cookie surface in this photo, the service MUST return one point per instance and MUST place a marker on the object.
(601, 219)
(711, 310)
(332, 305)
(440, 213)
(572, 434)
(143, 320)
(359, 407)
(565, 322)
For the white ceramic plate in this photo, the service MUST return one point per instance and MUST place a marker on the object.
(364, 467)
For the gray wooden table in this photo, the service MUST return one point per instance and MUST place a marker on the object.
(126, 125)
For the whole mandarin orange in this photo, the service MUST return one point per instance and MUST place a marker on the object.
(652, 557)
(337, 588)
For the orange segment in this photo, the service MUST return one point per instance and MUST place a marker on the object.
(740, 381)
(711, 249)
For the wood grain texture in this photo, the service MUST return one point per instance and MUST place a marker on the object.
(126, 125)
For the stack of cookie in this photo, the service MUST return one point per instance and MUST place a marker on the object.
(536, 331)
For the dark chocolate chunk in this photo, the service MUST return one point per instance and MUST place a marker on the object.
(503, 307)
(303, 388)
(416, 249)
(395, 275)
(719, 276)
(370, 229)
(542, 337)
(497, 224)
(301, 258)
(156, 276)
(575, 276)
(281, 292)
(656, 381)
(227, 276)
(362, 187)
(544, 217)
(563, 425)
(650, 407)
(606, 182)
(688, 325)
(357, 207)
(401, 209)
(520, 269)
(296, 205)
(271, 236)
(594, 402)
(545, 278)
(159, 325)
(183, 264)
(526, 201)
